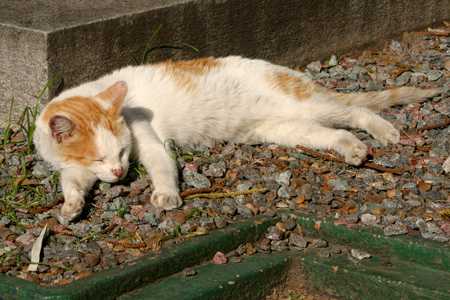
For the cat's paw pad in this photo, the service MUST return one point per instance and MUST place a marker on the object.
(391, 136)
(167, 201)
(356, 154)
(71, 210)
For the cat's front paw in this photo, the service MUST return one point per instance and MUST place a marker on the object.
(166, 200)
(356, 154)
(391, 136)
(386, 133)
(71, 210)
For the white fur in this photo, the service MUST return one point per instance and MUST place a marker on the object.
(235, 102)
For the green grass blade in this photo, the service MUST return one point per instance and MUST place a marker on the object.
(149, 43)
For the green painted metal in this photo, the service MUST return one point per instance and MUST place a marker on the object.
(251, 279)
(373, 240)
(111, 283)
(370, 280)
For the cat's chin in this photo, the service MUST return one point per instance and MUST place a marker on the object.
(110, 179)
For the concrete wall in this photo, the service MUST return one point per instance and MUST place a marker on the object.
(81, 40)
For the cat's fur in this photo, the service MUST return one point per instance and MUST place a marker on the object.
(89, 132)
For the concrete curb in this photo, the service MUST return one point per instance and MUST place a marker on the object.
(252, 279)
(144, 271)
(400, 267)
(78, 41)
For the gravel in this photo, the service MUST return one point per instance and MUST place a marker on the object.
(119, 223)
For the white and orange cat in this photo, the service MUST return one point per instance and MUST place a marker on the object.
(89, 132)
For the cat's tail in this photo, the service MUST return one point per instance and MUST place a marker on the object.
(383, 99)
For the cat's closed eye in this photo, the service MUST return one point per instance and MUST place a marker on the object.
(122, 153)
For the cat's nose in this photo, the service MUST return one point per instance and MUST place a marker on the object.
(118, 172)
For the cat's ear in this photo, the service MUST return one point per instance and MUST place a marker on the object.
(62, 128)
(115, 95)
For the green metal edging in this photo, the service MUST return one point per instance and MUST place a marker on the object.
(252, 279)
(370, 279)
(373, 240)
(111, 283)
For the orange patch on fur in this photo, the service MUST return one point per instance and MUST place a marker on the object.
(293, 85)
(185, 72)
(86, 114)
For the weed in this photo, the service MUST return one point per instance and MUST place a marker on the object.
(150, 50)
(121, 211)
(27, 121)
(138, 168)
(181, 153)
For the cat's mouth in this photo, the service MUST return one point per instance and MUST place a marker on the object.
(113, 177)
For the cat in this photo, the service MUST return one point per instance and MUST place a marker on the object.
(90, 131)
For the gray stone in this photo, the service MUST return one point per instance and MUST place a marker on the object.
(244, 186)
(289, 222)
(339, 184)
(284, 192)
(360, 254)
(434, 75)
(299, 242)
(139, 184)
(167, 225)
(119, 204)
(151, 218)
(245, 211)
(403, 79)
(263, 248)
(414, 203)
(114, 191)
(228, 210)
(333, 61)
(40, 169)
(275, 234)
(196, 180)
(131, 218)
(216, 169)
(314, 67)
(368, 219)
(319, 243)
(324, 253)
(283, 178)
(435, 234)
(395, 230)
(90, 247)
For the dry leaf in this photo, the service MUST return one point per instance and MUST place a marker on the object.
(25, 181)
(36, 250)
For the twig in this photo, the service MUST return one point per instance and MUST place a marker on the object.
(222, 195)
(321, 171)
(41, 209)
(340, 160)
(196, 191)
(5, 269)
(127, 245)
(108, 229)
(434, 126)
(53, 229)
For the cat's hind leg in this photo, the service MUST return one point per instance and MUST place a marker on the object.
(310, 134)
(363, 118)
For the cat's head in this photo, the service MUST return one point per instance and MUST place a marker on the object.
(90, 132)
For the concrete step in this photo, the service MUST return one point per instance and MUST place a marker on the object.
(401, 267)
(143, 271)
(374, 278)
(252, 279)
(78, 41)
